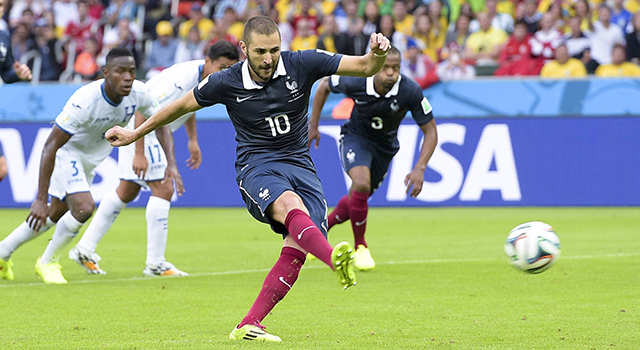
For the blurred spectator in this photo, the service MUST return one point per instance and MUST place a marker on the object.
(305, 38)
(86, 63)
(286, 31)
(21, 41)
(371, 18)
(466, 7)
(403, 20)
(349, 12)
(119, 9)
(439, 23)
(221, 32)
(418, 66)
(579, 44)
(191, 48)
(618, 67)
(122, 35)
(531, 15)
(458, 36)
(621, 17)
(604, 36)
(10, 70)
(387, 29)
(327, 41)
(633, 40)
(545, 40)
(65, 12)
(163, 49)
(48, 18)
(240, 6)
(557, 17)
(81, 28)
(498, 20)
(196, 18)
(353, 41)
(304, 10)
(235, 26)
(29, 20)
(46, 41)
(484, 45)
(424, 34)
(95, 9)
(515, 57)
(454, 68)
(583, 11)
(18, 7)
(563, 66)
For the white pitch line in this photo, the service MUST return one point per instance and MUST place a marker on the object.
(239, 272)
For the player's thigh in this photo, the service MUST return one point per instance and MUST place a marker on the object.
(379, 169)
(260, 187)
(81, 205)
(71, 174)
(128, 190)
(156, 161)
(57, 208)
(309, 188)
(355, 151)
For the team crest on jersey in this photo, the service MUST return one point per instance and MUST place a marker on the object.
(394, 105)
(129, 111)
(351, 156)
(3, 50)
(293, 86)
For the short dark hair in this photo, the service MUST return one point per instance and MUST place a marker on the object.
(223, 48)
(520, 22)
(118, 51)
(394, 51)
(261, 25)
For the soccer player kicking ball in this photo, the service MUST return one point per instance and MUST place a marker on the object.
(267, 98)
(369, 140)
(144, 164)
(74, 148)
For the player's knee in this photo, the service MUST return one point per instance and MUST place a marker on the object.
(83, 211)
(127, 191)
(163, 190)
(287, 202)
(361, 184)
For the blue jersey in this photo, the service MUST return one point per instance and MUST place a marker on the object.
(270, 119)
(378, 117)
(7, 72)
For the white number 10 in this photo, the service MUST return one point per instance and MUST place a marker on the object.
(276, 125)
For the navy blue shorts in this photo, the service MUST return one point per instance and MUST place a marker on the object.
(356, 150)
(263, 184)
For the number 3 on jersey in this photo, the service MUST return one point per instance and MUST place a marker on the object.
(377, 123)
(276, 124)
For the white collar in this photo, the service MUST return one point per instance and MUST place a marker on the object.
(249, 84)
(371, 90)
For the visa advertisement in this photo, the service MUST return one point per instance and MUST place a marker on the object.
(516, 161)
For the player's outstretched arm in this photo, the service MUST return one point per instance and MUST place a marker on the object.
(119, 136)
(39, 209)
(415, 178)
(322, 93)
(369, 64)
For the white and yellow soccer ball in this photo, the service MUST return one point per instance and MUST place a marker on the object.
(532, 247)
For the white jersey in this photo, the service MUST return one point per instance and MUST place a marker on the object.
(89, 113)
(173, 82)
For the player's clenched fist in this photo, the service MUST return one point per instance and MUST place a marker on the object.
(379, 44)
(118, 136)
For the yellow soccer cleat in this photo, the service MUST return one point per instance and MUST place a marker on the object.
(5, 270)
(50, 273)
(342, 259)
(363, 259)
(251, 332)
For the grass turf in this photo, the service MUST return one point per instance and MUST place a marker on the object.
(441, 282)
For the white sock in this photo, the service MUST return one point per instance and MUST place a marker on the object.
(104, 217)
(21, 235)
(66, 229)
(157, 229)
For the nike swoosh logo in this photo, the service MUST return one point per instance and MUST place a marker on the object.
(300, 235)
(176, 85)
(240, 100)
(285, 282)
(361, 222)
(360, 102)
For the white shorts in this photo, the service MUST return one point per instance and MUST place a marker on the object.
(71, 174)
(156, 161)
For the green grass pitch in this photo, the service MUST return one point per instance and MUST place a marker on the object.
(442, 282)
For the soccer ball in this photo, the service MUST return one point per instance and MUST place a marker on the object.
(532, 247)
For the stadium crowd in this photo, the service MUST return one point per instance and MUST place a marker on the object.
(441, 40)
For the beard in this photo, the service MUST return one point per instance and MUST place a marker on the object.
(259, 70)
